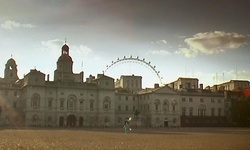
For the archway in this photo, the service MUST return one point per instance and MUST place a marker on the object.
(71, 121)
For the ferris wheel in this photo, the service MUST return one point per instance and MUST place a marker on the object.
(137, 60)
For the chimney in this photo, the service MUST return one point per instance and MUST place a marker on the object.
(201, 86)
(156, 85)
(48, 77)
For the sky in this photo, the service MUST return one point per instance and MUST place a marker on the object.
(208, 39)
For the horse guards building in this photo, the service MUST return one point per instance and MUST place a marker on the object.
(69, 101)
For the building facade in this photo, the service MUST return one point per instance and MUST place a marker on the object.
(69, 101)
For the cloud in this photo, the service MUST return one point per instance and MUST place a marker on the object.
(56, 44)
(187, 52)
(212, 42)
(84, 50)
(158, 52)
(10, 25)
(159, 42)
(239, 74)
(53, 44)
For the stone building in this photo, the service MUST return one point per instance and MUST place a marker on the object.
(69, 101)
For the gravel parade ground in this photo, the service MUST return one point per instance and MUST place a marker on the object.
(115, 138)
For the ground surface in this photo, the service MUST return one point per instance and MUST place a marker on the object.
(144, 139)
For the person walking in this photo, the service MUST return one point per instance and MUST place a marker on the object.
(126, 126)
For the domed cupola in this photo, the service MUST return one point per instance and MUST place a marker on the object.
(64, 65)
(10, 72)
(65, 54)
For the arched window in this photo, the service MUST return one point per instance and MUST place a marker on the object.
(202, 110)
(35, 100)
(166, 105)
(157, 105)
(62, 103)
(106, 103)
(174, 104)
(71, 102)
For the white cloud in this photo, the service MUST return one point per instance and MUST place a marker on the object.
(56, 44)
(159, 42)
(10, 24)
(82, 50)
(53, 45)
(212, 42)
(239, 74)
(158, 52)
(187, 52)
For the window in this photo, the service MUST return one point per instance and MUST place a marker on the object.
(133, 98)
(157, 104)
(126, 98)
(190, 100)
(61, 104)
(71, 102)
(174, 103)
(119, 108)
(212, 100)
(50, 103)
(201, 100)
(81, 104)
(126, 108)
(183, 111)
(106, 103)
(183, 99)
(91, 104)
(165, 106)
(201, 110)
(35, 100)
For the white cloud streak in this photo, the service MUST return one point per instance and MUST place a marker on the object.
(159, 42)
(212, 42)
(158, 52)
(10, 25)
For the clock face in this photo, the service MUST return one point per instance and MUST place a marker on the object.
(11, 67)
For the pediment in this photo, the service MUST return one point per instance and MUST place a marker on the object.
(164, 90)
